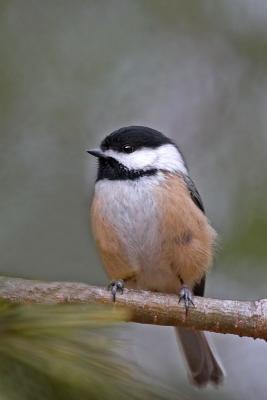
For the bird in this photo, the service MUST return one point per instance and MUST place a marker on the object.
(150, 228)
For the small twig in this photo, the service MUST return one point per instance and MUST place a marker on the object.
(243, 318)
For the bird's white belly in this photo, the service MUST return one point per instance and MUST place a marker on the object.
(132, 210)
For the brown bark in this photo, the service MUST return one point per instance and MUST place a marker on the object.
(243, 318)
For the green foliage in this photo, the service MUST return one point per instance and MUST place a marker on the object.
(249, 240)
(64, 352)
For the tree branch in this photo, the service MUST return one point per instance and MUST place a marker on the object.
(243, 318)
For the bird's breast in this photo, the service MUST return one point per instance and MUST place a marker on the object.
(150, 232)
(132, 214)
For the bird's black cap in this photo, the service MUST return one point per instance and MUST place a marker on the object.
(136, 137)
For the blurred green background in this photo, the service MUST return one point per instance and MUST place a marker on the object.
(73, 71)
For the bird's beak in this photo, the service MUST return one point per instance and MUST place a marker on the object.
(97, 153)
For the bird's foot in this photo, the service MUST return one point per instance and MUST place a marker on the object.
(116, 287)
(186, 296)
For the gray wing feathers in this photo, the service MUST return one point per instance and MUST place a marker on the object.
(203, 366)
(195, 196)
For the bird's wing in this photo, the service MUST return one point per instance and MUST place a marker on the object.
(199, 288)
(195, 196)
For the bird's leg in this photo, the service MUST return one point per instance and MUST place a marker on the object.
(185, 295)
(116, 287)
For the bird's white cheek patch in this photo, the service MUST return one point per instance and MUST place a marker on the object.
(139, 159)
(170, 159)
(165, 157)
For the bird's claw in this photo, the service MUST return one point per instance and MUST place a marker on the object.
(186, 296)
(116, 287)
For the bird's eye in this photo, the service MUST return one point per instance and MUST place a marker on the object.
(127, 149)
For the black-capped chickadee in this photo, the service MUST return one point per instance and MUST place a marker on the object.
(151, 230)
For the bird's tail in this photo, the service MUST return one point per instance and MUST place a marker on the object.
(203, 366)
